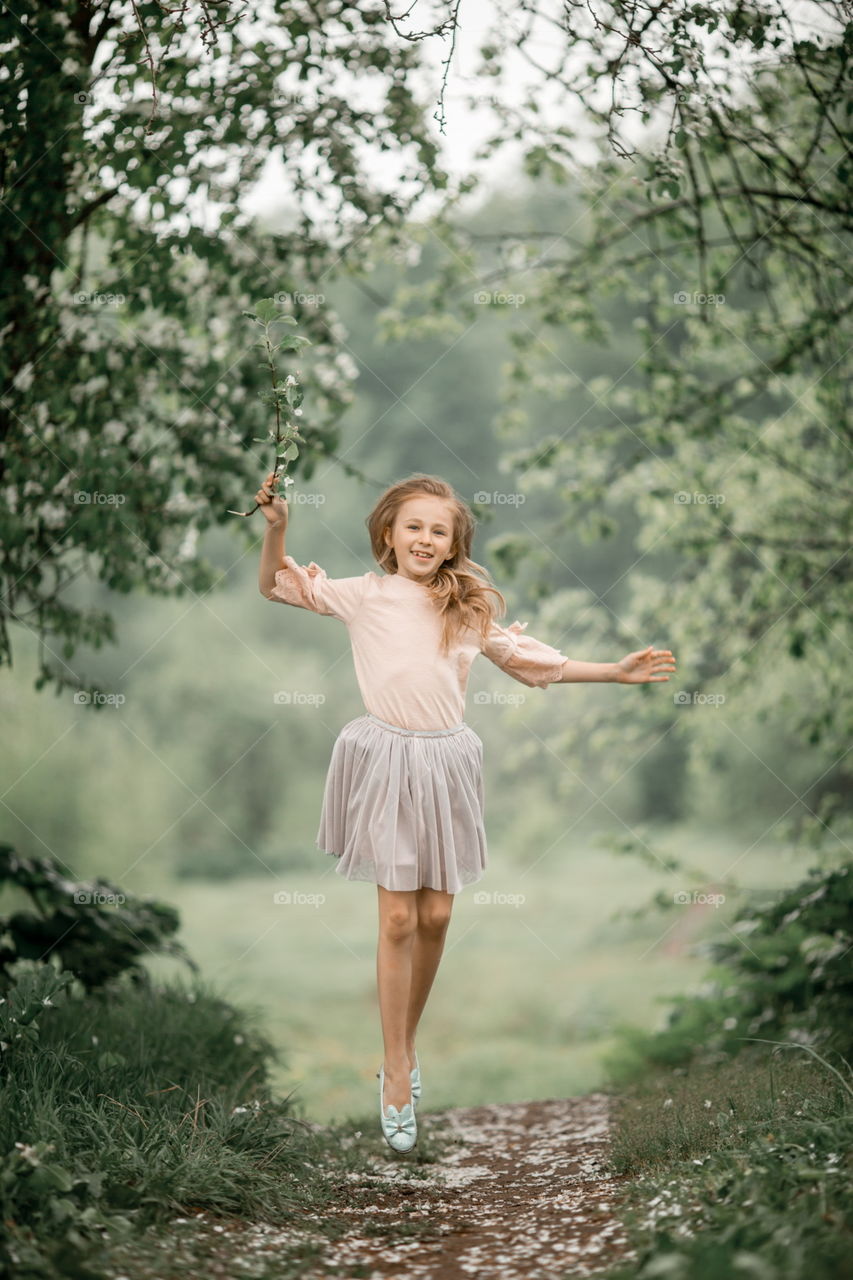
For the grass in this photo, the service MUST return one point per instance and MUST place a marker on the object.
(738, 1168)
(136, 1108)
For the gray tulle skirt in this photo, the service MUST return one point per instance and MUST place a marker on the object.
(403, 808)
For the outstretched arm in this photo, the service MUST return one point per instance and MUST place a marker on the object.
(641, 667)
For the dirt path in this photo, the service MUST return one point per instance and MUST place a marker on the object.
(517, 1192)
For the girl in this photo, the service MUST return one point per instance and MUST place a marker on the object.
(403, 798)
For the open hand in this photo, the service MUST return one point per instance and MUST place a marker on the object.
(272, 504)
(642, 667)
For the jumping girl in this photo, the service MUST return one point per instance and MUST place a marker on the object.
(403, 800)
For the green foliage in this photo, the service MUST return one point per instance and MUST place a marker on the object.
(711, 1122)
(140, 1101)
(284, 397)
(737, 1169)
(794, 960)
(785, 974)
(93, 928)
(30, 988)
(129, 409)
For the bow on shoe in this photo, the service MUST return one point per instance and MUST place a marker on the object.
(399, 1122)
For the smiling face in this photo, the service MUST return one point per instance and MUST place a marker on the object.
(424, 523)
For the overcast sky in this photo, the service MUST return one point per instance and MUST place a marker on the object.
(466, 128)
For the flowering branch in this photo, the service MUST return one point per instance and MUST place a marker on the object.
(285, 397)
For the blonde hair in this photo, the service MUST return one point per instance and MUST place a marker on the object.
(460, 587)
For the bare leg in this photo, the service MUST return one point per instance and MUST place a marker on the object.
(434, 908)
(398, 920)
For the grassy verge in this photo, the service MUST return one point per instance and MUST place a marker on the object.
(132, 1109)
(734, 1123)
(741, 1169)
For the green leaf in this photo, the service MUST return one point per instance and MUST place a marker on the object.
(267, 310)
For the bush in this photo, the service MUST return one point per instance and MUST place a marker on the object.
(92, 927)
(121, 1107)
(786, 974)
(738, 1152)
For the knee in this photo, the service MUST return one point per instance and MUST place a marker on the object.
(433, 921)
(399, 923)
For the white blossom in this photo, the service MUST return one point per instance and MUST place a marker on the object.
(347, 365)
(187, 549)
(99, 382)
(51, 514)
(177, 503)
(23, 379)
(93, 340)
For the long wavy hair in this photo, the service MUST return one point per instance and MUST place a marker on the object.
(460, 588)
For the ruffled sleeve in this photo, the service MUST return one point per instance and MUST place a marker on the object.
(530, 661)
(309, 587)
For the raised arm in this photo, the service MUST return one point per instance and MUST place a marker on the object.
(274, 510)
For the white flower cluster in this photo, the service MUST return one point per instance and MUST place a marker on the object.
(52, 515)
(177, 504)
(187, 549)
(23, 379)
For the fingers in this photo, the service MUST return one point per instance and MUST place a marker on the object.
(267, 491)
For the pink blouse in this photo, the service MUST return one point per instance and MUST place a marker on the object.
(395, 633)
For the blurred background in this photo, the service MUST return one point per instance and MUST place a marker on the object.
(645, 469)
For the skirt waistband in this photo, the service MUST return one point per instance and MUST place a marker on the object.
(416, 733)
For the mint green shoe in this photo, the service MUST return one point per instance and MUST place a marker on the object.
(399, 1128)
(416, 1082)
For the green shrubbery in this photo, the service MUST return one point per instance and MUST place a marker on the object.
(786, 973)
(740, 1151)
(123, 1102)
(94, 928)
